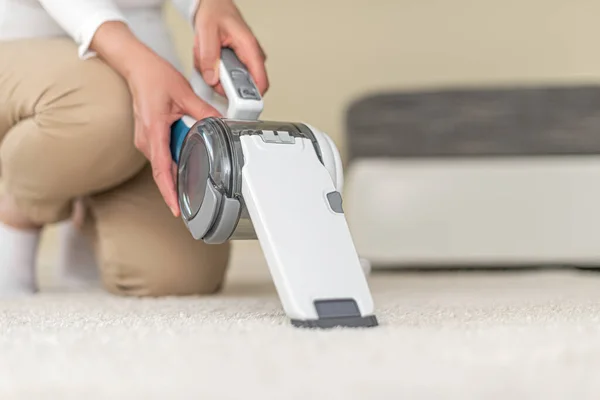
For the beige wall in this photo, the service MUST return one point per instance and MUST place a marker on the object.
(323, 53)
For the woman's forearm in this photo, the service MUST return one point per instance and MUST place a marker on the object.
(81, 18)
(118, 47)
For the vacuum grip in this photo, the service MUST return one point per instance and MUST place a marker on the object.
(245, 101)
(243, 96)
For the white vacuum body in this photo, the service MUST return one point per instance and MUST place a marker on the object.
(281, 183)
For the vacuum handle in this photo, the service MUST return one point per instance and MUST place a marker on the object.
(244, 99)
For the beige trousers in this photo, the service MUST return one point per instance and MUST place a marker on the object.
(66, 132)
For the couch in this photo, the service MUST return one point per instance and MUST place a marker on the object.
(490, 176)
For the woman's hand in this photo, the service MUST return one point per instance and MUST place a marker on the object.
(161, 95)
(218, 23)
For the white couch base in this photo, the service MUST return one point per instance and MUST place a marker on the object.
(542, 210)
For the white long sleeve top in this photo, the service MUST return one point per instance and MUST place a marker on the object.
(80, 19)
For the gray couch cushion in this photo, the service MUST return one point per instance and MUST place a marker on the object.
(486, 122)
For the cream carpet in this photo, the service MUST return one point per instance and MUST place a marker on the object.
(517, 335)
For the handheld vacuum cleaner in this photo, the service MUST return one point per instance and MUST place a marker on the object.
(240, 178)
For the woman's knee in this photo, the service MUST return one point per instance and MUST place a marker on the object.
(181, 276)
(79, 140)
(144, 251)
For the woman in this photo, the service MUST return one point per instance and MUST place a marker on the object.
(88, 91)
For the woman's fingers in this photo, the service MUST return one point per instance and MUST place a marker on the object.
(149, 136)
(161, 161)
(218, 87)
(251, 54)
(153, 135)
(220, 24)
(207, 53)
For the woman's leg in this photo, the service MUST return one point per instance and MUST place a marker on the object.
(70, 127)
(66, 128)
(65, 131)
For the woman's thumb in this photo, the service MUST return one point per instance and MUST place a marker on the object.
(198, 109)
(207, 54)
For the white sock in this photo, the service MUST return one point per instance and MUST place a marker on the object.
(76, 262)
(18, 254)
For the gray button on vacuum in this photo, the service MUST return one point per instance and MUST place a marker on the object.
(335, 202)
(248, 93)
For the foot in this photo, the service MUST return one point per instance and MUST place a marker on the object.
(75, 258)
(76, 262)
(19, 239)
